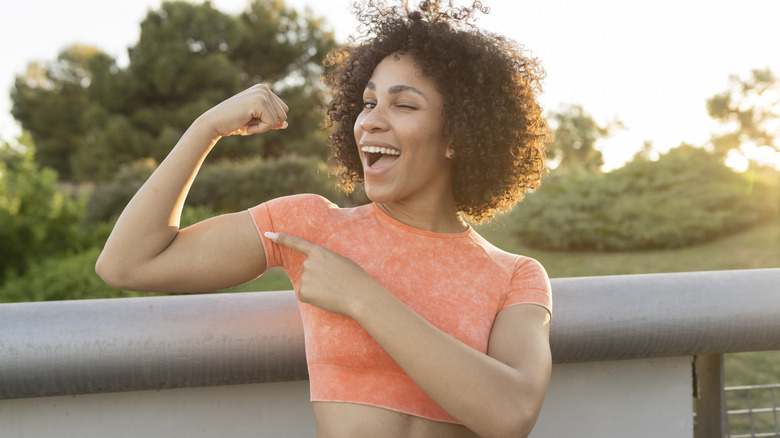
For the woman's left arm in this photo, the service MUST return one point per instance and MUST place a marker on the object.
(499, 394)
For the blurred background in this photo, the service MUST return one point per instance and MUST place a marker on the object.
(666, 115)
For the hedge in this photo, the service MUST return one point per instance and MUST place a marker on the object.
(687, 196)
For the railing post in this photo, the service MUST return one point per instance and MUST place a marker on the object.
(710, 397)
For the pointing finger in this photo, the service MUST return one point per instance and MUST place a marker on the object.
(295, 243)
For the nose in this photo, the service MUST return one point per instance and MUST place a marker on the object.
(373, 120)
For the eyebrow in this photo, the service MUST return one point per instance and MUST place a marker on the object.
(396, 89)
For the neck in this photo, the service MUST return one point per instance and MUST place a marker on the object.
(442, 218)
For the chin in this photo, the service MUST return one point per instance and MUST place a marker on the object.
(378, 195)
(373, 197)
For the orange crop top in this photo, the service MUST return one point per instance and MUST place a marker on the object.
(458, 282)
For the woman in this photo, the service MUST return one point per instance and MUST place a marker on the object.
(415, 326)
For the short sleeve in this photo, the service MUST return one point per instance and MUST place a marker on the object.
(529, 285)
(263, 222)
(300, 215)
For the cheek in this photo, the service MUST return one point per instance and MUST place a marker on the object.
(356, 128)
(436, 143)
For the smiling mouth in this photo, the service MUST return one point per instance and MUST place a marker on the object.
(378, 157)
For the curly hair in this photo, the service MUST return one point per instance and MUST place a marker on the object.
(490, 90)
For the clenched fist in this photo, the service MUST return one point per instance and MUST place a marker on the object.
(253, 111)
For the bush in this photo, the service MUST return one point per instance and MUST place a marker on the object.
(225, 186)
(687, 196)
(109, 199)
(72, 276)
(68, 277)
(38, 220)
(237, 185)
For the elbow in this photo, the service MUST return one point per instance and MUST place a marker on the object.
(104, 271)
(111, 272)
(514, 419)
(522, 425)
(519, 424)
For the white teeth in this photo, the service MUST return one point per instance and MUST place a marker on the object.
(380, 150)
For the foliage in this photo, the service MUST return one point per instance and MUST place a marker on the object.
(687, 196)
(576, 134)
(749, 111)
(232, 186)
(68, 277)
(110, 198)
(224, 186)
(49, 100)
(37, 218)
(89, 117)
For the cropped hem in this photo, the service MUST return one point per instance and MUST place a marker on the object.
(388, 389)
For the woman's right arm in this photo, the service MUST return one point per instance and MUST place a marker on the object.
(147, 251)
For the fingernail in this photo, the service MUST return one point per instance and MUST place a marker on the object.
(272, 236)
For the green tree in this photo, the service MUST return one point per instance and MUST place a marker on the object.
(36, 219)
(749, 111)
(49, 100)
(188, 58)
(576, 135)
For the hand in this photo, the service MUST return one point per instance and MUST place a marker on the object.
(328, 280)
(253, 111)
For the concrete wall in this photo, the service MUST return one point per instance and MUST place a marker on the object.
(638, 398)
(641, 398)
(259, 410)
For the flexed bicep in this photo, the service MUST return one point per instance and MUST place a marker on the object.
(214, 254)
(147, 251)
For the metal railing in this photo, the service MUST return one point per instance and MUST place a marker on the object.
(158, 342)
(758, 414)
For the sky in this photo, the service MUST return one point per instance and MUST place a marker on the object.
(649, 64)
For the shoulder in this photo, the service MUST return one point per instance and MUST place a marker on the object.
(304, 207)
(304, 215)
(531, 272)
(507, 261)
(517, 264)
(306, 201)
(528, 280)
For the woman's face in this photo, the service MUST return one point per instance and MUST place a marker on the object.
(399, 136)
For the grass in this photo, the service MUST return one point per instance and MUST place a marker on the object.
(755, 248)
(754, 368)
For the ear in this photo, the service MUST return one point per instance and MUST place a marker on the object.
(450, 152)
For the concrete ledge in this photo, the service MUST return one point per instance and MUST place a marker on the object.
(158, 342)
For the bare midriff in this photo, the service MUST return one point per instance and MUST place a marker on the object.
(348, 420)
